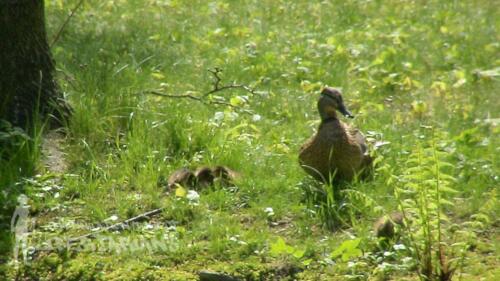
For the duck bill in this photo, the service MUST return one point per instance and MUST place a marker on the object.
(345, 112)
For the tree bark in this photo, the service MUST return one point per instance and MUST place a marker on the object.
(27, 86)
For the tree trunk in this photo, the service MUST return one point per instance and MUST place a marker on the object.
(27, 86)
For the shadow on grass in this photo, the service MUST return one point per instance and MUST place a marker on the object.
(18, 158)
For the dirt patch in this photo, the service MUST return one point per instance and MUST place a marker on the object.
(53, 156)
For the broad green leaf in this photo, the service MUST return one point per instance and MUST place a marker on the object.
(307, 262)
(157, 75)
(298, 253)
(280, 247)
(237, 101)
(348, 249)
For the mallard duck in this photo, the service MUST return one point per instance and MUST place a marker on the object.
(337, 151)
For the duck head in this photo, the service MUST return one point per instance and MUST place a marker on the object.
(329, 102)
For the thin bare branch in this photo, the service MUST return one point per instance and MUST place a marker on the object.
(216, 88)
(189, 96)
(118, 226)
(115, 227)
(215, 72)
(65, 23)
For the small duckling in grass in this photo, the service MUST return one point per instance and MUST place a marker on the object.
(225, 175)
(183, 177)
(386, 226)
(337, 151)
(207, 176)
(204, 176)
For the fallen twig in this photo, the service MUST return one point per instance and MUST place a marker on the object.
(216, 88)
(155, 92)
(117, 226)
(200, 99)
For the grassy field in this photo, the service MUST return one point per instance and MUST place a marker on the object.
(422, 78)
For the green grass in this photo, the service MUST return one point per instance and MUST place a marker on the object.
(402, 65)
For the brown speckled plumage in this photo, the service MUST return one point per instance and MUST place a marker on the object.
(336, 151)
(386, 225)
(183, 177)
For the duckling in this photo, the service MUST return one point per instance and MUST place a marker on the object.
(206, 176)
(337, 152)
(385, 227)
(225, 175)
(182, 176)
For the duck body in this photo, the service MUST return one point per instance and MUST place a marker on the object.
(337, 152)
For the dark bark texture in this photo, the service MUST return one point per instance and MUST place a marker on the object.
(27, 85)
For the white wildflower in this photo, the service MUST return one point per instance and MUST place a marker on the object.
(218, 116)
(269, 211)
(193, 196)
(256, 117)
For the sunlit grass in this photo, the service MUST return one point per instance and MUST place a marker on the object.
(401, 65)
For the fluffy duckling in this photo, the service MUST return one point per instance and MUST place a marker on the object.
(225, 174)
(337, 151)
(385, 227)
(207, 176)
(204, 176)
(182, 176)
